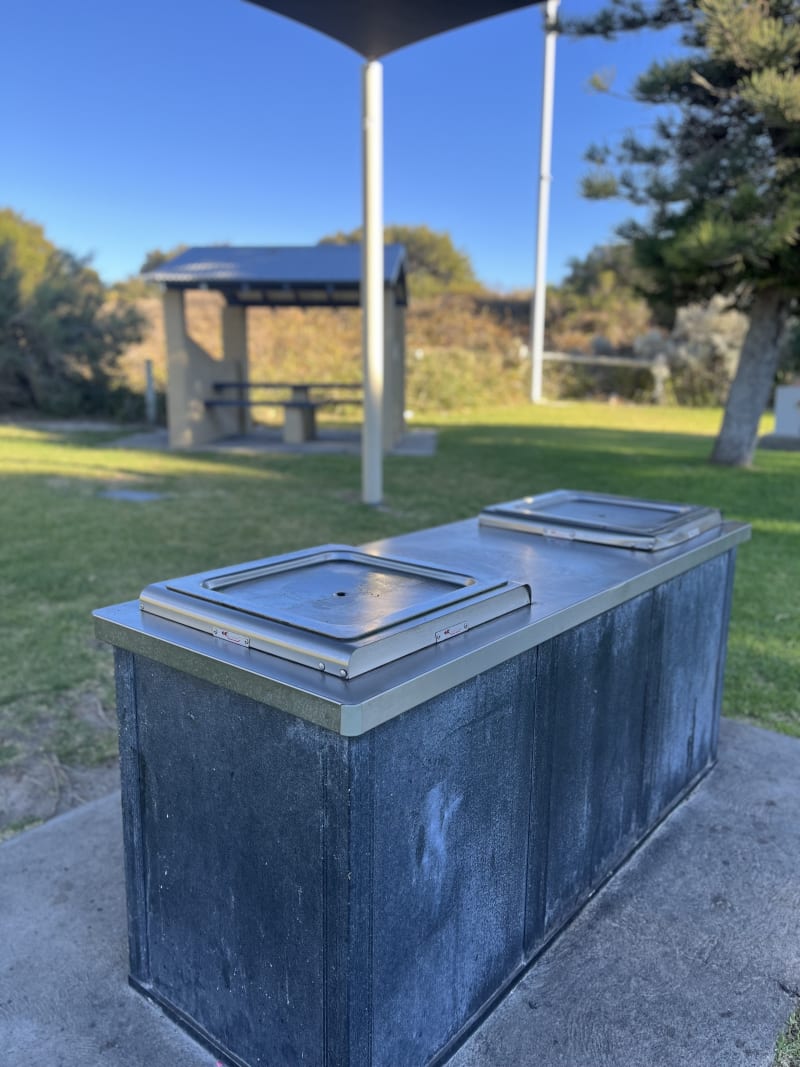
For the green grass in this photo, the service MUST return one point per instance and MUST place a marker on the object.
(13, 828)
(67, 549)
(787, 1048)
(7, 752)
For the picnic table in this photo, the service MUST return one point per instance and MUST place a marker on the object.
(299, 407)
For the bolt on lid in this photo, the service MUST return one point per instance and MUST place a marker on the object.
(334, 608)
(624, 522)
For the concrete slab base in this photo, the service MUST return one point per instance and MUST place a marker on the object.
(267, 439)
(339, 442)
(689, 957)
(780, 442)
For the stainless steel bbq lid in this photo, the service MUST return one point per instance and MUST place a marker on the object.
(625, 522)
(334, 608)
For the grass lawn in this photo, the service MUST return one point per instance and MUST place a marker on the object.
(787, 1049)
(67, 549)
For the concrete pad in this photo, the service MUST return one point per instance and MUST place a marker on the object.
(264, 439)
(269, 439)
(64, 998)
(135, 496)
(155, 440)
(689, 957)
(780, 442)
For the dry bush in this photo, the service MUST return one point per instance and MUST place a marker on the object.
(461, 350)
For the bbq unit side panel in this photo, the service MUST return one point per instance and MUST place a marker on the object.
(724, 628)
(590, 707)
(233, 838)
(690, 628)
(347, 853)
(451, 800)
(132, 816)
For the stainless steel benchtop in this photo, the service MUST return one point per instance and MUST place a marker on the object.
(571, 583)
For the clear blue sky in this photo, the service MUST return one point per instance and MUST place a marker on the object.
(127, 127)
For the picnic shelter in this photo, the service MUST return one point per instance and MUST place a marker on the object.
(210, 399)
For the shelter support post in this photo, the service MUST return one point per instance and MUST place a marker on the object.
(150, 401)
(545, 177)
(394, 318)
(191, 373)
(234, 354)
(372, 277)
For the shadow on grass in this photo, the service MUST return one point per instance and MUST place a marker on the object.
(519, 460)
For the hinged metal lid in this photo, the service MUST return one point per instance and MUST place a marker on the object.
(625, 522)
(334, 608)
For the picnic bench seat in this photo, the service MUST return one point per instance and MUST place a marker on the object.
(299, 408)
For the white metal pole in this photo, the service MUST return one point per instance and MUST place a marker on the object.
(372, 277)
(545, 155)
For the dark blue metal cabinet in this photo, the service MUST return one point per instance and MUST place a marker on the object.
(590, 714)
(225, 806)
(298, 896)
(626, 721)
(690, 624)
(451, 801)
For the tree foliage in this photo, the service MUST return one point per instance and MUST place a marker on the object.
(599, 298)
(433, 265)
(27, 246)
(604, 268)
(135, 287)
(721, 175)
(157, 258)
(59, 339)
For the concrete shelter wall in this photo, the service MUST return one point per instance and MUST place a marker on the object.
(234, 348)
(394, 374)
(191, 372)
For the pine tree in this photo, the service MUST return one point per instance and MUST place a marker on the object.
(721, 176)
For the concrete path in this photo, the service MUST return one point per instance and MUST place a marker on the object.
(689, 957)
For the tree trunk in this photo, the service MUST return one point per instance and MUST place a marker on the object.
(751, 386)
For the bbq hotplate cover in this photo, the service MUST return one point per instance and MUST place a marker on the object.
(625, 522)
(334, 608)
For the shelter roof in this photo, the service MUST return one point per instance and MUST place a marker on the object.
(376, 27)
(299, 276)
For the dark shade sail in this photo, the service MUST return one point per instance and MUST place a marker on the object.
(375, 28)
